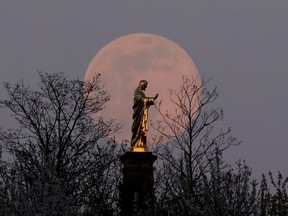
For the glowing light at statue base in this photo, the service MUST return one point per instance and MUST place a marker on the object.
(138, 149)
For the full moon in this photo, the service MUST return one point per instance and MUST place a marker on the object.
(125, 61)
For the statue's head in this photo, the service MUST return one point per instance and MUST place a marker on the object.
(143, 85)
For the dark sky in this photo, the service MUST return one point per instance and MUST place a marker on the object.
(241, 44)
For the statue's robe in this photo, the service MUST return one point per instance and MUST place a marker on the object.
(140, 119)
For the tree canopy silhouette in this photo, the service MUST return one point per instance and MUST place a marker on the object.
(61, 156)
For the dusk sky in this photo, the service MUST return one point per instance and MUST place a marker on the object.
(241, 44)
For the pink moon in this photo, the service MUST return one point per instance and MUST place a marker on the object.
(125, 61)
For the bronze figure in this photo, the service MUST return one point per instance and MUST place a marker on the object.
(140, 117)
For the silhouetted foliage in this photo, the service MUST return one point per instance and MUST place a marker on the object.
(274, 200)
(192, 179)
(63, 162)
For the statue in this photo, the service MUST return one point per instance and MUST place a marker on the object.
(140, 117)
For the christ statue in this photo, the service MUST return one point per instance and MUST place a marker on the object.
(140, 117)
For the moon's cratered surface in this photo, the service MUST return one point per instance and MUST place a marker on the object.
(125, 61)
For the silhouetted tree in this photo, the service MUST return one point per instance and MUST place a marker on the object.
(226, 191)
(190, 181)
(62, 161)
(274, 201)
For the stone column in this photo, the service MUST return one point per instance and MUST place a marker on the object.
(137, 188)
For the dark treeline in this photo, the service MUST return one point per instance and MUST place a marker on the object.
(61, 161)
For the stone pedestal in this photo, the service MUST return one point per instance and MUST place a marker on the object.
(136, 190)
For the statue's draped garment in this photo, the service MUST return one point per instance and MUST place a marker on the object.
(140, 119)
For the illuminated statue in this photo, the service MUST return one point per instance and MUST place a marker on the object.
(140, 117)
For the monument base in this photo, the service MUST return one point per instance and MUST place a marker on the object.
(137, 188)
